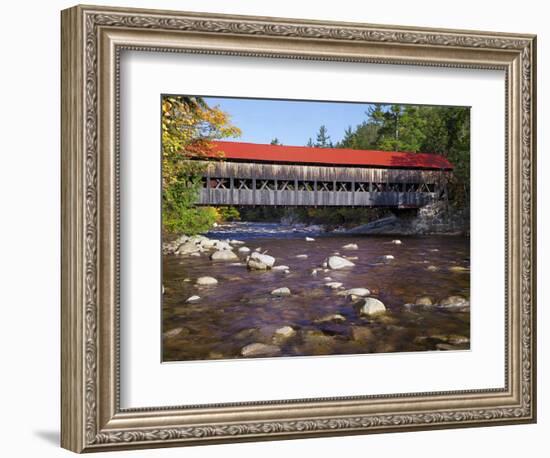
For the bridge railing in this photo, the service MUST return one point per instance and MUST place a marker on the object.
(253, 197)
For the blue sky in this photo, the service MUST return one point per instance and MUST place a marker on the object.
(292, 122)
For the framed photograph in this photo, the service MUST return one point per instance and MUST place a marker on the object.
(278, 228)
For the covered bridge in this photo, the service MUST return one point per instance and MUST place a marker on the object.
(244, 174)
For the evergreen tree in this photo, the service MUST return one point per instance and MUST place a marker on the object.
(323, 138)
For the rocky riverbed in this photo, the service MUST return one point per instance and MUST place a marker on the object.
(261, 290)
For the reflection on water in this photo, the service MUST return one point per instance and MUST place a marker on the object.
(240, 310)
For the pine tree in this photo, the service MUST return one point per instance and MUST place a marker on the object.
(323, 138)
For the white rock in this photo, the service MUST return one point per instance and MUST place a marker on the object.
(389, 256)
(186, 280)
(260, 349)
(263, 258)
(396, 242)
(281, 292)
(162, 289)
(244, 249)
(287, 272)
(280, 268)
(327, 279)
(187, 248)
(223, 255)
(361, 292)
(220, 245)
(432, 268)
(284, 333)
(256, 265)
(333, 284)
(336, 263)
(206, 281)
(193, 299)
(351, 246)
(196, 254)
(173, 332)
(372, 307)
(236, 242)
(208, 243)
(257, 250)
(337, 317)
(324, 265)
(301, 256)
(314, 271)
(454, 301)
(310, 239)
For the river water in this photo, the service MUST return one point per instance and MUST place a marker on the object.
(240, 310)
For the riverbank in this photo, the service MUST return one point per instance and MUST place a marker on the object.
(264, 292)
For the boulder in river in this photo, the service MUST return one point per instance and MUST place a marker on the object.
(334, 318)
(432, 268)
(206, 281)
(280, 268)
(336, 263)
(361, 292)
(423, 301)
(350, 246)
(258, 261)
(459, 269)
(301, 256)
(236, 242)
(221, 245)
(396, 242)
(260, 349)
(193, 299)
(173, 332)
(310, 239)
(333, 284)
(244, 250)
(389, 256)
(284, 291)
(188, 248)
(454, 302)
(372, 307)
(224, 255)
(282, 334)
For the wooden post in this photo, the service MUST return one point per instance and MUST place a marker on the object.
(231, 189)
(315, 194)
(353, 192)
(254, 192)
(295, 191)
(275, 192)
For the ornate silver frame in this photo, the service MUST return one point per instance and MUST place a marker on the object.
(92, 39)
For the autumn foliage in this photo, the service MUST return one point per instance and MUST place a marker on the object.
(188, 127)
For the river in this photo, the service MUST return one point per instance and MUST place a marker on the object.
(240, 310)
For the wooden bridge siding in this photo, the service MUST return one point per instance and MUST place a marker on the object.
(314, 174)
(320, 173)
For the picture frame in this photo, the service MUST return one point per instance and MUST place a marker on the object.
(93, 39)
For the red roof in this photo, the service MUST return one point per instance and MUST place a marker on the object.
(256, 152)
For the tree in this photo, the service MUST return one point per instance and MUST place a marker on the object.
(323, 139)
(275, 141)
(188, 126)
(310, 143)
